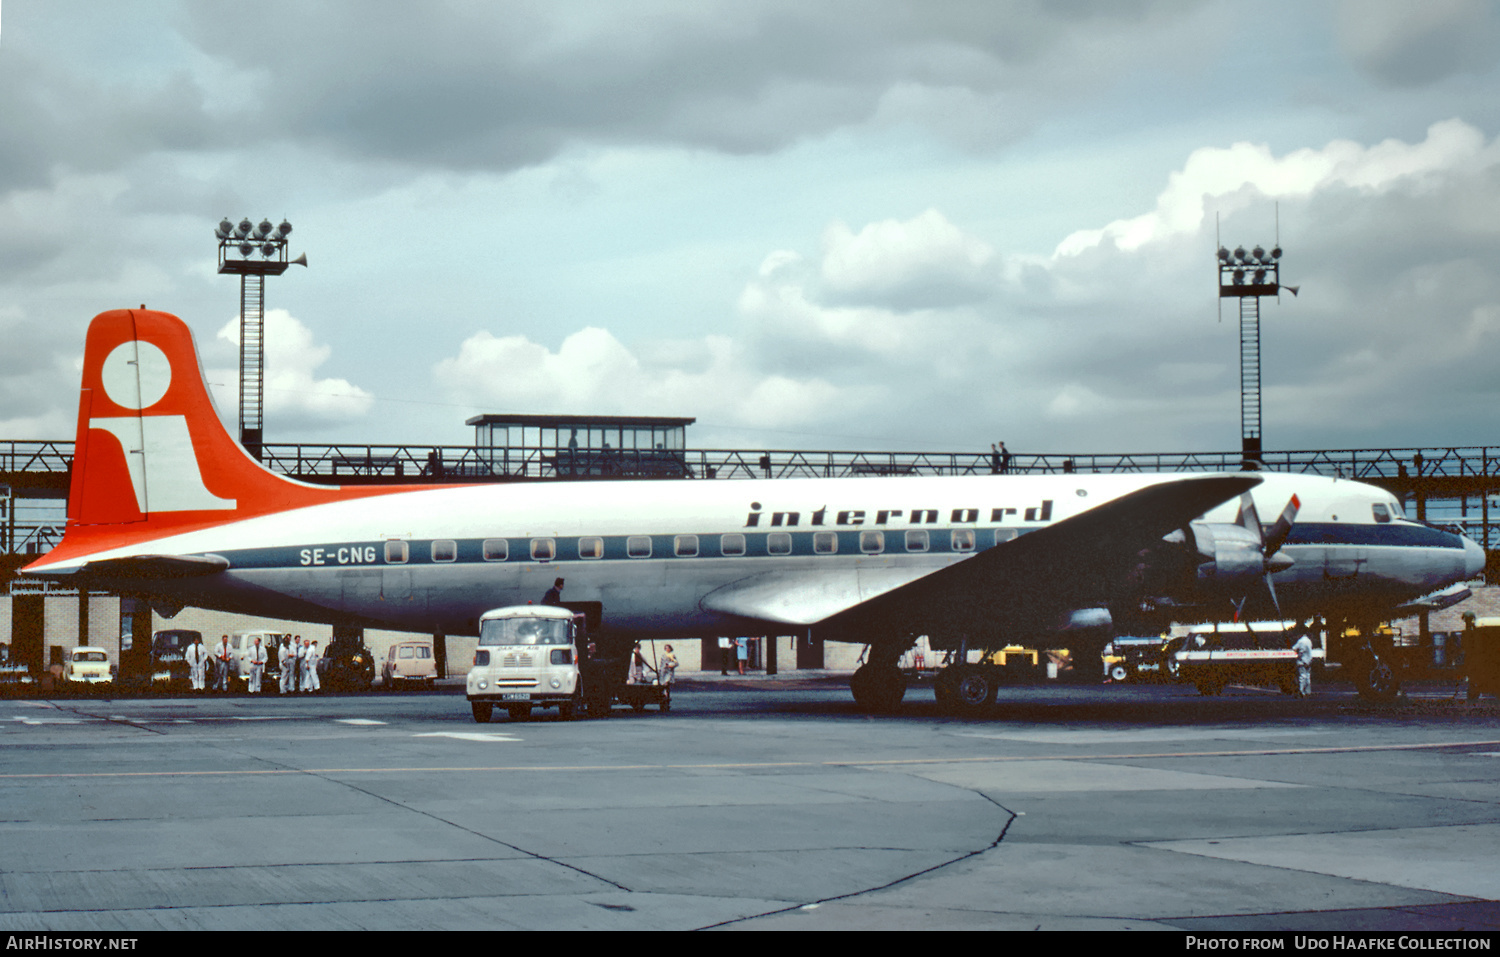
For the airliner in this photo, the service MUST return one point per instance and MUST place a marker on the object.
(165, 504)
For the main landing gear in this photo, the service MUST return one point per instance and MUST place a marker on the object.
(965, 690)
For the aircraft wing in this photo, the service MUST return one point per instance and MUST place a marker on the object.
(1079, 562)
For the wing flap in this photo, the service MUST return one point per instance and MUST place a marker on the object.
(806, 596)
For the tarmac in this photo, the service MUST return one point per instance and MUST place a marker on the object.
(758, 802)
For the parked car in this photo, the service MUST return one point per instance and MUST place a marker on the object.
(409, 663)
(87, 666)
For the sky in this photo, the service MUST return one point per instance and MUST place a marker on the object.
(869, 225)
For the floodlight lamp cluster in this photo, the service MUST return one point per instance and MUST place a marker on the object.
(1256, 267)
(249, 238)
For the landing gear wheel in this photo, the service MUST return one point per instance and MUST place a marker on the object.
(878, 687)
(1376, 681)
(482, 711)
(971, 690)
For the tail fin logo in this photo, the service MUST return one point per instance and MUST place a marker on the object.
(159, 455)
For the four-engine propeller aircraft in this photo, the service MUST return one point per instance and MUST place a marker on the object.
(165, 504)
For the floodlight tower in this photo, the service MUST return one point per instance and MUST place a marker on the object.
(269, 241)
(1247, 276)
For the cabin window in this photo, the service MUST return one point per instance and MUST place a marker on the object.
(732, 544)
(543, 549)
(686, 546)
(395, 552)
(916, 540)
(638, 546)
(444, 550)
(963, 540)
(872, 543)
(591, 548)
(779, 543)
(825, 543)
(496, 549)
(1003, 535)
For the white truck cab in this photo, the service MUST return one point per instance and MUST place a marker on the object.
(527, 658)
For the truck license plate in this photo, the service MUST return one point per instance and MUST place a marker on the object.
(515, 697)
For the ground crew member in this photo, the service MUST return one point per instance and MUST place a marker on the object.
(257, 665)
(1303, 648)
(197, 658)
(288, 664)
(222, 656)
(310, 667)
(554, 594)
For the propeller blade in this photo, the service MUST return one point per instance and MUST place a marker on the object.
(1248, 519)
(1283, 527)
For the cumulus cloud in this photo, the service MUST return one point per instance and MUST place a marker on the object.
(294, 396)
(592, 372)
(923, 262)
(1218, 176)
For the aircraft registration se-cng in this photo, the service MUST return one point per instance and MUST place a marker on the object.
(165, 504)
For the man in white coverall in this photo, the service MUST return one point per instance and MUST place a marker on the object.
(310, 668)
(257, 665)
(288, 663)
(223, 657)
(196, 657)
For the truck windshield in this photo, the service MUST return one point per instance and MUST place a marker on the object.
(525, 631)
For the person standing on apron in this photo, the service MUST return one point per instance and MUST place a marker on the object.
(257, 665)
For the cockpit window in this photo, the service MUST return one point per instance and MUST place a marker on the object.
(1382, 513)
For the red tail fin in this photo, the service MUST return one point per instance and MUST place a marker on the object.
(152, 457)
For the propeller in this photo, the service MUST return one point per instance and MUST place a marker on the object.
(1271, 542)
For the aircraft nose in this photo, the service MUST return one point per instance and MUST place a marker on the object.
(1474, 557)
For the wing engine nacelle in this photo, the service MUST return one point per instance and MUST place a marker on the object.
(1231, 559)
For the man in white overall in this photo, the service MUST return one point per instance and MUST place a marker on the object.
(197, 657)
(257, 665)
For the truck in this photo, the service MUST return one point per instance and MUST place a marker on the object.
(544, 656)
(1258, 653)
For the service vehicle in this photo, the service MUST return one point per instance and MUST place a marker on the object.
(543, 656)
(1257, 653)
(1136, 658)
(409, 664)
(1482, 657)
(88, 666)
(347, 665)
(14, 675)
(169, 668)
